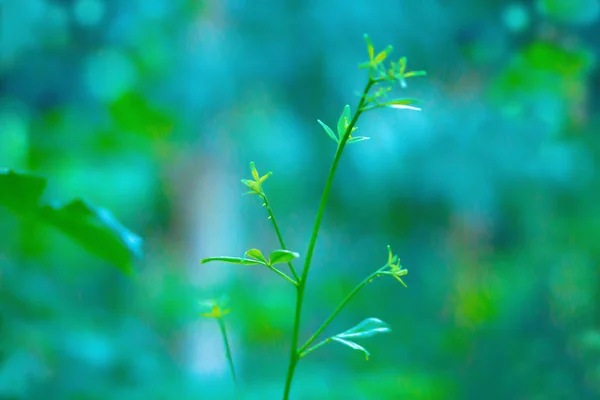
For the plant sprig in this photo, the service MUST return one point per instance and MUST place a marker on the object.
(217, 311)
(374, 95)
(392, 267)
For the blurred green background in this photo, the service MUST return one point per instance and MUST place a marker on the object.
(153, 109)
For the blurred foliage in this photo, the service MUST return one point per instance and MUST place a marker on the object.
(152, 109)
(95, 229)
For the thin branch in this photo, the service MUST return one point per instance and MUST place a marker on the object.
(283, 275)
(227, 348)
(294, 352)
(278, 232)
(349, 297)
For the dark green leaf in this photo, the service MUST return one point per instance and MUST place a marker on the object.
(96, 230)
(282, 256)
(232, 260)
(20, 192)
(93, 228)
(133, 113)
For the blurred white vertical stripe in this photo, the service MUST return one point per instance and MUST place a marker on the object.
(211, 225)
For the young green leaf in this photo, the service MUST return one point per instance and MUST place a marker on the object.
(396, 269)
(367, 328)
(383, 55)
(371, 51)
(212, 309)
(415, 73)
(254, 171)
(328, 131)
(392, 258)
(282, 256)
(344, 121)
(397, 272)
(352, 345)
(357, 139)
(402, 65)
(256, 254)
(401, 77)
(370, 48)
(403, 102)
(407, 104)
(233, 260)
(255, 185)
(252, 185)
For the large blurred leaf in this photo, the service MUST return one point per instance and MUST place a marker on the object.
(132, 113)
(20, 192)
(93, 228)
(96, 230)
(562, 60)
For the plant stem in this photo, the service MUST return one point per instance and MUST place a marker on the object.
(278, 232)
(227, 348)
(316, 346)
(339, 308)
(282, 274)
(294, 353)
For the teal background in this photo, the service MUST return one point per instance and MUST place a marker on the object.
(154, 109)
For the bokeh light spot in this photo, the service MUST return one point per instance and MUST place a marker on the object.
(515, 17)
(14, 136)
(109, 74)
(88, 12)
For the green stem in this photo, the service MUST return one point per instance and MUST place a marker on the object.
(316, 346)
(278, 232)
(294, 353)
(283, 275)
(227, 348)
(338, 309)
